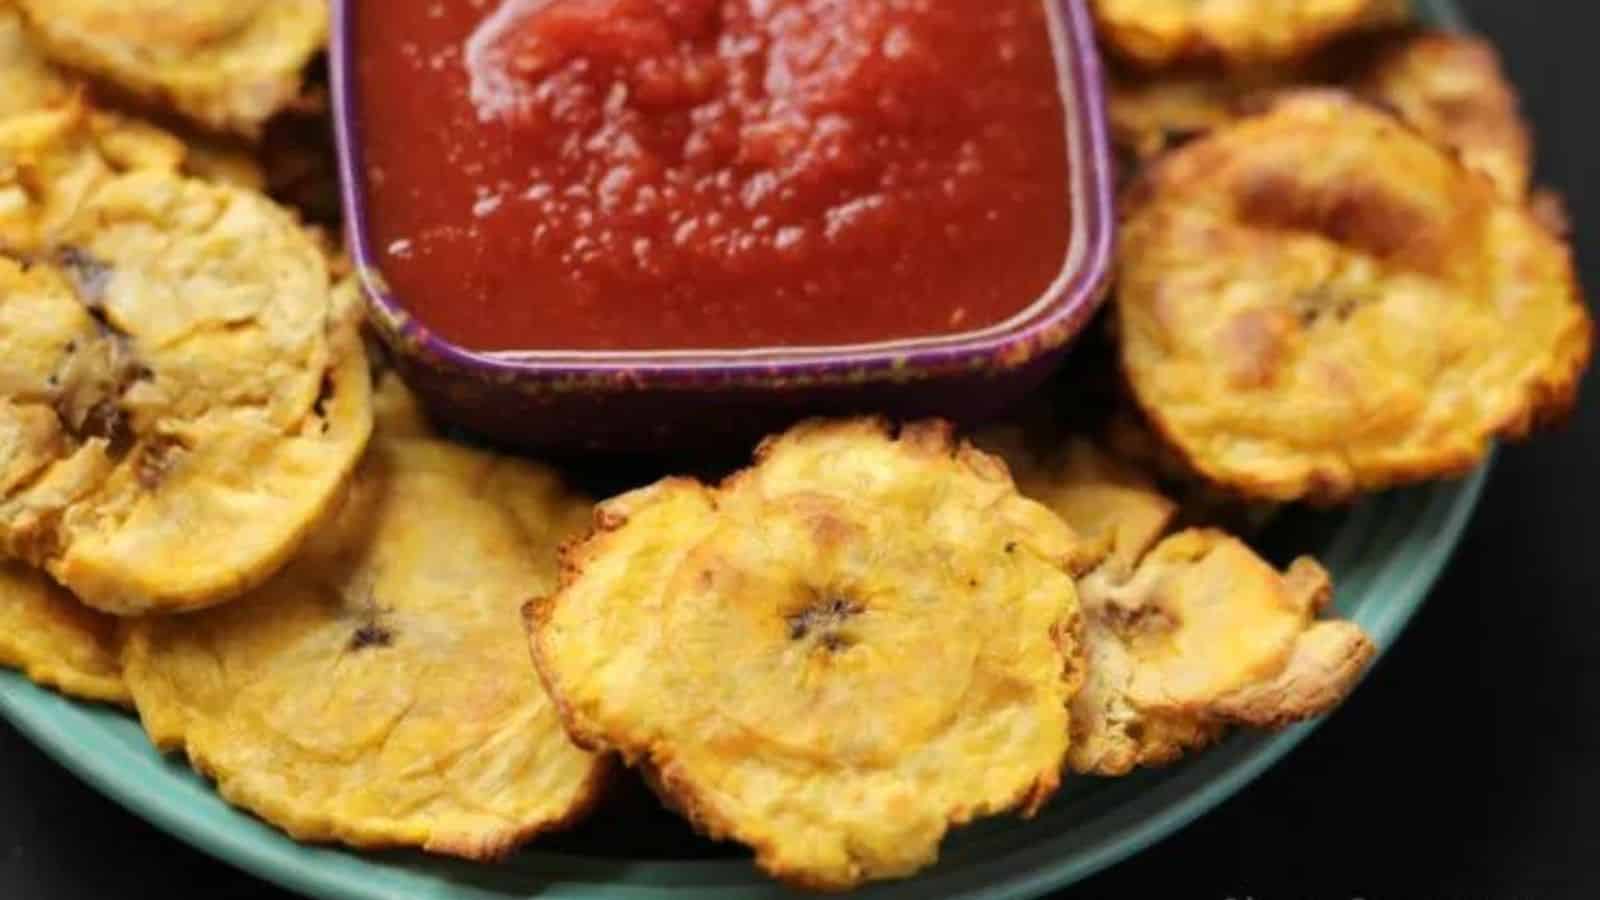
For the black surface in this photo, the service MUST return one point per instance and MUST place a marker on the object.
(1468, 765)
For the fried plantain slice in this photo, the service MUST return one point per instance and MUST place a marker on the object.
(183, 395)
(378, 692)
(56, 641)
(52, 158)
(1112, 506)
(1202, 635)
(1159, 33)
(1453, 88)
(1153, 112)
(1128, 438)
(31, 84)
(1150, 115)
(1317, 302)
(832, 657)
(227, 64)
(1189, 639)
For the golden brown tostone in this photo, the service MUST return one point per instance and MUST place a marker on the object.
(227, 64)
(1318, 302)
(1160, 33)
(183, 397)
(378, 692)
(1452, 88)
(1185, 635)
(56, 641)
(832, 657)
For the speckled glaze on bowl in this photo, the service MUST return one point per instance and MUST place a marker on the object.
(644, 401)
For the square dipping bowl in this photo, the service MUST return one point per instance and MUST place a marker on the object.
(565, 402)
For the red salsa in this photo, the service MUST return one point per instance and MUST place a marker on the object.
(699, 174)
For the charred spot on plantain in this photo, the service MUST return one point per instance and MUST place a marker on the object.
(103, 420)
(1152, 618)
(88, 386)
(824, 617)
(1322, 303)
(360, 603)
(369, 635)
(324, 394)
(157, 458)
(106, 421)
(834, 642)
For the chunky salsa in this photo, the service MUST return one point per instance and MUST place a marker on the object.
(698, 174)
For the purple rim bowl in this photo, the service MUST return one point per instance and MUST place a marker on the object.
(567, 402)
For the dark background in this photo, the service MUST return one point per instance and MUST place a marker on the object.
(1467, 766)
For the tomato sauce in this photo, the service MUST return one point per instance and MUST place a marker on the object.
(712, 174)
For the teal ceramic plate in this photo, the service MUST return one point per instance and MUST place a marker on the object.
(1385, 556)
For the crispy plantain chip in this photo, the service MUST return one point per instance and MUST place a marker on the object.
(1152, 112)
(1128, 438)
(55, 640)
(379, 691)
(1317, 302)
(32, 84)
(183, 395)
(227, 64)
(1159, 33)
(833, 657)
(52, 159)
(1112, 505)
(1202, 635)
(1188, 639)
(1452, 88)
(55, 146)
(1150, 115)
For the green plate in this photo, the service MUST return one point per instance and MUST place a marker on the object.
(1385, 556)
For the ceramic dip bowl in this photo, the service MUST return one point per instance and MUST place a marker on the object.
(642, 401)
